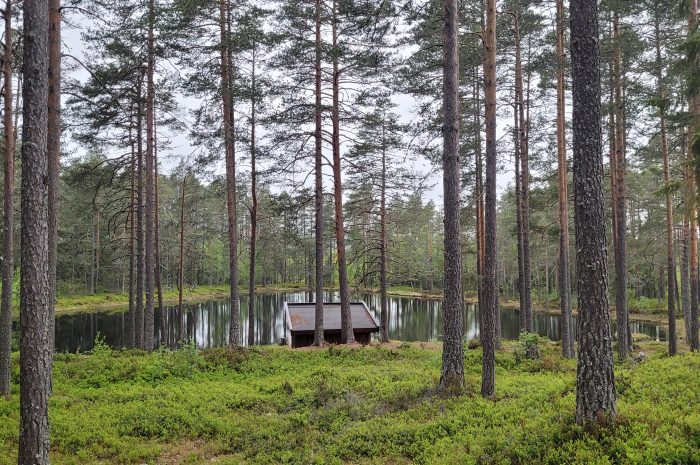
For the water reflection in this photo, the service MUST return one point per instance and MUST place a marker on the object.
(410, 319)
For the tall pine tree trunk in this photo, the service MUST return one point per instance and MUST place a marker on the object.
(148, 317)
(490, 292)
(567, 326)
(519, 212)
(35, 275)
(479, 193)
(692, 207)
(525, 280)
(253, 213)
(318, 182)
(347, 336)
(156, 221)
(132, 248)
(54, 148)
(384, 304)
(181, 263)
(671, 258)
(685, 279)
(612, 161)
(95, 272)
(453, 307)
(8, 262)
(693, 265)
(595, 385)
(140, 261)
(227, 96)
(623, 344)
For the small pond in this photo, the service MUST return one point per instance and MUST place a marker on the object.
(410, 319)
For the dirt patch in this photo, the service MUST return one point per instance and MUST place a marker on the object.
(187, 451)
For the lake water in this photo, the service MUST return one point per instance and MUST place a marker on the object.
(410, 319)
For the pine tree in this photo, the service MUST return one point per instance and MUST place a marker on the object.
(671, 256)
(694, 150)
(376, 161)
(490, 292)
(453, 348)
(8, 267)
(35, 286)
(620, 223)
(595, 385)
(567, 327)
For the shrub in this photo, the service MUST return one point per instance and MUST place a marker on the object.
(529, 346)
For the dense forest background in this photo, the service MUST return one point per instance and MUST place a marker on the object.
(390, 103)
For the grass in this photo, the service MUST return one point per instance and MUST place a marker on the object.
(76, 302)
(648, 306)
(373, 405)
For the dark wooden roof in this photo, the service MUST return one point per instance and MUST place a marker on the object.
(301, 317)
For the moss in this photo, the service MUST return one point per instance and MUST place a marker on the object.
(370, 405)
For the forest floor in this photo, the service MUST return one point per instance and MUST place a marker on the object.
(355, 405)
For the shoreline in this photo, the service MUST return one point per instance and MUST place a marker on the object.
(116, 302)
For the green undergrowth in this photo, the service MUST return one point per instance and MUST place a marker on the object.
(70, 301)
(372, 405)
(647, 305)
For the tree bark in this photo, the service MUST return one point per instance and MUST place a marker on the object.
(18, 103)
(595, 385)
(148, 317)
(8, 262)
(383, 286)
(685, 280)
(181, 263)
(253, 213)
(671, 258)
(693, 265)
(227, 95)
(132, 248)
(347, 335)
(95, 275)
(35, 274)
(692, 215)
(567, 326)
(480, 233)
(525, 279)
(623, 343)
(453, 307)
(519, 212)
(490, 291)
(156, 221)
(518, 181)
(479, 193)
(613, 161)
(318, 183)
(54, 148)
(140, 266)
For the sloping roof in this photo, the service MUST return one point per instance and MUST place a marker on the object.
(301, 317)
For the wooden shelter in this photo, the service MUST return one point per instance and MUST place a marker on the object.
(301, 318)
